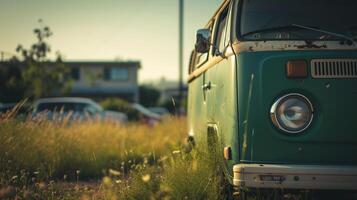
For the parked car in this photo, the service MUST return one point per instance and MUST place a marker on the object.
(115, 116)
(60, 107)
(4, 108)
(159, 110)
(75, 108)
(146, 116)
(20, 109)
(273, 86)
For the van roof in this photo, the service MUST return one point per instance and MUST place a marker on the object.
(224, 2)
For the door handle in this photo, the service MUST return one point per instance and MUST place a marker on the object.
(207, 86)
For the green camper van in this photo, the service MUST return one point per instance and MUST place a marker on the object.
(275, 84)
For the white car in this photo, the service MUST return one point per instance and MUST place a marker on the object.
(74, 108)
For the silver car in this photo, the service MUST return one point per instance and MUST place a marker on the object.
(72, 107)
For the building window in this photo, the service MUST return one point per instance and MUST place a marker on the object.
(75, 74)
(116, 74)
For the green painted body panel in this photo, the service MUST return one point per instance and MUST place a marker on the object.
(216, 106)
(222, 106)
(332, 138)
(244, 88)
(197, 117)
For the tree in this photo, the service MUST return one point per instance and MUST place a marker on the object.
(12, 87)
(40, 76)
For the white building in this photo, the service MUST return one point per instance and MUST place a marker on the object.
(101, 79)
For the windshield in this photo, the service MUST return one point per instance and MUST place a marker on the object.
(338, 16)
(66, 107)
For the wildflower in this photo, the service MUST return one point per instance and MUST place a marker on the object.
(36, 172)
(14, 178)
(163, 158)
(107, 181)
(146, 178)
(78, 171)
(114, 172)
(176, 152)
(41, 185)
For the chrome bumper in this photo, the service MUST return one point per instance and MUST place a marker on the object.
(295, 176)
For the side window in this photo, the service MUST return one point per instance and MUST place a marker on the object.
(221, 27)
(116, 74)
(201, 58)
(75, 73)
(191, 65)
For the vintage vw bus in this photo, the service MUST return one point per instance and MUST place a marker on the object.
(276, 83)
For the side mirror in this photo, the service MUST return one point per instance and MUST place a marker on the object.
(203, 38)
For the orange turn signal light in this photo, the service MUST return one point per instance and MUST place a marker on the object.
(296, 69)
(227, 153)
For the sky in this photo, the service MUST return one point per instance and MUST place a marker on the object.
(144, 30)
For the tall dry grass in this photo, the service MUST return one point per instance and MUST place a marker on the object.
(132, 161)
(55, 149)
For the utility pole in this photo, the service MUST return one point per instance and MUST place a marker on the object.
(181, 7)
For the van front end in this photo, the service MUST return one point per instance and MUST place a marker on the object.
(297, 116)
(274, 84)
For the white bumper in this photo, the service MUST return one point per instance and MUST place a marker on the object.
(295, 176)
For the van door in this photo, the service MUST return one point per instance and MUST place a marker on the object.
(196, 109)
(210, 76)
(221, 96)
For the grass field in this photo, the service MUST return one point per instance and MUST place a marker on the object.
(101, 160)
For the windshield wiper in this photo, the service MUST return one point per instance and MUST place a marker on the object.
(353, 29)
(291, 26)
(350, 39)
(277, 28)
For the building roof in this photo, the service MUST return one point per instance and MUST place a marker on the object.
(95, 63)
(104, 63)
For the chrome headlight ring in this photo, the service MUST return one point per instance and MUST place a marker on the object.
(292, 113)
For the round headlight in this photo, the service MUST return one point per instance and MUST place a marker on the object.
(292, 113)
